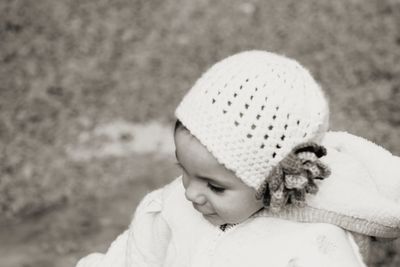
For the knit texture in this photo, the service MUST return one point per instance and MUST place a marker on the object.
(294, 177)
(251, 109)
(362, 194)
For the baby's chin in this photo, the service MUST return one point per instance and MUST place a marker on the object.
(216, 220)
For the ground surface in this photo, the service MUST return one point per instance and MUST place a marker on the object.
(79, 76)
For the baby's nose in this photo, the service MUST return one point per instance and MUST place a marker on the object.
(194, 193)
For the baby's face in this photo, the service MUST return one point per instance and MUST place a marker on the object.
(214, 191)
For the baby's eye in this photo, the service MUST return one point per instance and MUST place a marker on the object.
(215, 189)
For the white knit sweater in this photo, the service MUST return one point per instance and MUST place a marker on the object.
(167, 231)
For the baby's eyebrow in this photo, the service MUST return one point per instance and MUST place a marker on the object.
(214, 181)
(210, 180)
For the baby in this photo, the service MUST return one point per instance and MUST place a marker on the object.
(263, 182)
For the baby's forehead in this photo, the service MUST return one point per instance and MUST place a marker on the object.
(196, 159)
(190, 150)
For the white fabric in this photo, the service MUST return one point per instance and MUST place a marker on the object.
(361, 194)
(167, 231)
(383, 167)
(365, 181)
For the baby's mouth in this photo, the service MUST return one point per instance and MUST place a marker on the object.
(204, 213)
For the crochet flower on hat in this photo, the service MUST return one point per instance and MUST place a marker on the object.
(294, 177)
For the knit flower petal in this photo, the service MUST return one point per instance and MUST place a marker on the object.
(295, 181)
(294, 177)
(278, 198)
(298, 197)
(307, 156)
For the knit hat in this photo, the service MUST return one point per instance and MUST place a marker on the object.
(251, 109)
(362, 193)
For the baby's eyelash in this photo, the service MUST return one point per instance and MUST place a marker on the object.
(215, 189)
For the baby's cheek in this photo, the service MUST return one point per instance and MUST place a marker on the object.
(223, 210)
(235, 214)
(245, 209)
(184, 181)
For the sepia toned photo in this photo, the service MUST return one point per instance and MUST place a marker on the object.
(199, 133)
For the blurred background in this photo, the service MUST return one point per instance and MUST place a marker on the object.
(88, 90)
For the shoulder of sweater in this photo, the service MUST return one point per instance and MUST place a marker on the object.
(149, 233)
(328, 244)
(317, 235)
(154, 201)
(310, 231)
(316, 244)
(334, 242)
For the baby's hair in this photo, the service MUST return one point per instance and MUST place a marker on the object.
(178, 125)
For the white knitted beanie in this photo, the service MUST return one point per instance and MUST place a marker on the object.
(251, 109)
